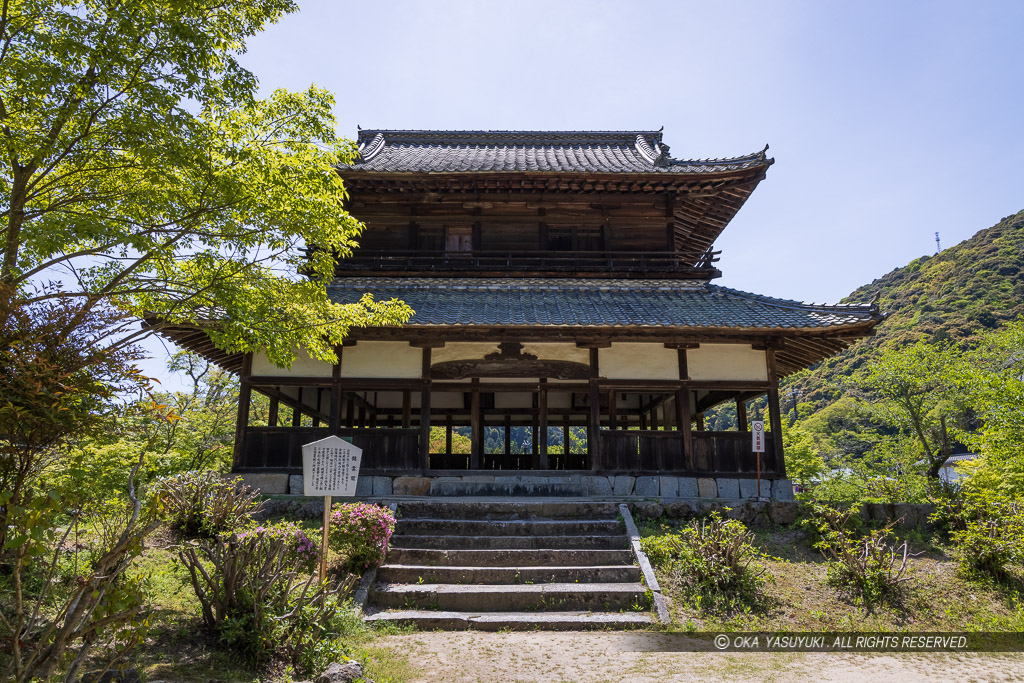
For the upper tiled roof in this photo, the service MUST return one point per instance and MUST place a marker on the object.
(512, 302)
(420, 151)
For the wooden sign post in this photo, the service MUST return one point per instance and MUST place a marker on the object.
(757, 437)
(330, 467)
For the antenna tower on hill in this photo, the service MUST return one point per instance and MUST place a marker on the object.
(938, 247)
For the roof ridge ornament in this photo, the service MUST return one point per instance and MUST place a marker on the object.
(643, 147)
(368, 150)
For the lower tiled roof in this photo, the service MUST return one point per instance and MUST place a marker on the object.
(513, 302)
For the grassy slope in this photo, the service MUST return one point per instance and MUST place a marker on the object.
(967, 289)
(799, 599)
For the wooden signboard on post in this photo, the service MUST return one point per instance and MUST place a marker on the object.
(757, 438)
(330, 467)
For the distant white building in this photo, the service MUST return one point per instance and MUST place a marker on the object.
(948, 473)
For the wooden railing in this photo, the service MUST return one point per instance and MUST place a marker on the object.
(654, 451)
(730, 452)
(538, 261)
(281, 447)
(623, 450)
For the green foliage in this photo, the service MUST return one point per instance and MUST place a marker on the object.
(361, 531)
(986, 530)
(714, 560)
(804, 465)
(256, 594)
(60, 607)
(918, 395)
(204, 504)
(461, 443)
(991, 378)
(137, 155)
(872, 567)
(891, 472)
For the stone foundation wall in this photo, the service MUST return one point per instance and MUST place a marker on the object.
(655, 487)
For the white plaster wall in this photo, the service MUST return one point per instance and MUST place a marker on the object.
(638, 360)
(477, 350)
(304, 366)
(554, 351)
(462, 351)
(382, 359)
(726, 362)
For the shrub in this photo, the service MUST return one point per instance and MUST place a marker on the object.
(986, 530)
(203, 504)
(992, 537)
(255, 592)
(714, 560)
(361, 531)
(872, 567)
(298, 549)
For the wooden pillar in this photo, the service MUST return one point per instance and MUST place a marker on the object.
(318, 404)
(654, 415)
(373, 410)
(594, 425)
(476, 427)
(244, 401)
(508, 434)
(613, 409)
(566, 436)
(350, 413)
(774, 414)
(275, 406)
(297, 414)
(683, 415)
(335, 421)
(448, 434)
(700, 422)
(741, 415)
(425, 413)
(542, 408)
(406, 409)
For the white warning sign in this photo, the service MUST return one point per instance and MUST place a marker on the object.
(757, 435)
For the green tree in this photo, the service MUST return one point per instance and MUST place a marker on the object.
(992, 380)
(138, 168)
(916, 391)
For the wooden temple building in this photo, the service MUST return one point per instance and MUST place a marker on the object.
(562, 289)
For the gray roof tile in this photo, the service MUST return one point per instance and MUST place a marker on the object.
(418, 151)
(596, 303)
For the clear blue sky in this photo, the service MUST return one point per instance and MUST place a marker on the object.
(888, 121)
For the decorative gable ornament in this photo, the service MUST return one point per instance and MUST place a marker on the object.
(330, 467)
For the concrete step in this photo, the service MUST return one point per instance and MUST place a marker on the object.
(599, 542)
(415, 574)
(506, 509)
(508, 558)
(606, 597)
(511, 527)
(516, 621)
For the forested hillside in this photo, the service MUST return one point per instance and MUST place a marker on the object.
(965, 290)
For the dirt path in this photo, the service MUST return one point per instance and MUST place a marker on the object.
(546, 656)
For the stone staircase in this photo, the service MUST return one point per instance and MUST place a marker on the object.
(510, 565)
